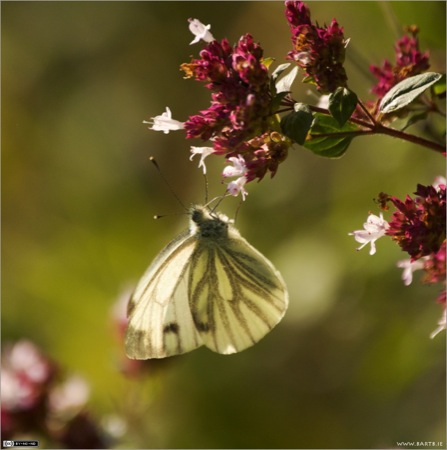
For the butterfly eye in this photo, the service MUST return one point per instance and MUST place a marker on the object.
(197, 216)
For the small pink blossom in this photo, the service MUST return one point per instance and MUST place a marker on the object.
(374, 228)
(164, 122)
(238, 169)
(70, 396)
(236, 187)
(409, 267)
(200, 31)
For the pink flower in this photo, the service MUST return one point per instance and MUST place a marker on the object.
(319, 51)
(419, 224)
(240, 118)
(26, 373)
(410, 61)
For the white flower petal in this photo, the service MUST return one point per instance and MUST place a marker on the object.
(200, 31)
(374, 228)
(303, 57)
(442, 324)
(203, 152)
(409, 267)
(236, 187)
(164, 122)
(438, 182)
(230, 171)
(239, 168)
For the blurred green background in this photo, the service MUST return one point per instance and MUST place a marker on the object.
(350, 366)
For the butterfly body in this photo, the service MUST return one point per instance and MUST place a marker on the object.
(210, 287)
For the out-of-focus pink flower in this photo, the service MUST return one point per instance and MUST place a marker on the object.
(319, 51)
(25, 376)
(410, 61)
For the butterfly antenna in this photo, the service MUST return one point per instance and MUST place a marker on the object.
(155, 163)
(160, 216)
(219, 199)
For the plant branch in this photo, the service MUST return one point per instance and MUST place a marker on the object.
(377, 128)
(381, 129)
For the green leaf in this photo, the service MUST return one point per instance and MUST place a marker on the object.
(406, 91)
(329, 146)
(342, 104)
(277, 99)
(279, 70)
(439, 88)
(297, 124)
(284, 84)
(402, 123)
(268, 61)
(414, 118)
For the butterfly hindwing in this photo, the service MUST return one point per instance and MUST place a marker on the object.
(236, 295)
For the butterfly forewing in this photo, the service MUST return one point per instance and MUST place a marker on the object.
(160, 321)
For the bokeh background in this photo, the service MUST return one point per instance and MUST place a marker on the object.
(350, 366)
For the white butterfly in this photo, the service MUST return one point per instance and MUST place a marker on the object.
(208, 286)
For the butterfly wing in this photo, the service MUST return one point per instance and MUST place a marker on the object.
(236, 294)
(160, 320)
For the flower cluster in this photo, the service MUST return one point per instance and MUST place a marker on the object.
(409, 61)
(240, 121)
(243, 122)
(240, 100)
(418, 226)
(35, 404)
(319, 51)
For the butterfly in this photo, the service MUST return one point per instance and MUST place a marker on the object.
(209, 287)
